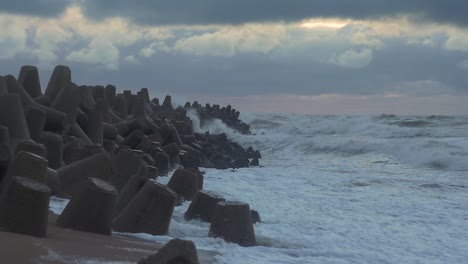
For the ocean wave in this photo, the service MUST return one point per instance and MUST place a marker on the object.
(412, 123)
(438, 144)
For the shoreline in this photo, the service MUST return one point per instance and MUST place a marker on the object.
(71, 246)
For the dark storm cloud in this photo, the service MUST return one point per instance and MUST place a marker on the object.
(159, 12)
(41, 8)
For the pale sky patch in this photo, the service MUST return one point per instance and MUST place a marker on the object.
(99, 52)
(353, 58)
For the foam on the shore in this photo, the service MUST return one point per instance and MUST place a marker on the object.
(324, 201)
(343, 190)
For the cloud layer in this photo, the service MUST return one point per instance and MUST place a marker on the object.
(348, 60)
(163, 12)
(41, 8)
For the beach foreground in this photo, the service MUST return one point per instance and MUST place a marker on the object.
(70, 246)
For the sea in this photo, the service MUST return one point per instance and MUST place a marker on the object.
(343, 189)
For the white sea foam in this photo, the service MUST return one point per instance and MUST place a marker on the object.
(346, 189)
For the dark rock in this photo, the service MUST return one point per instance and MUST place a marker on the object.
(91, 209)
(254, 162)
(255, 216)
(257, 155)
(240, 162)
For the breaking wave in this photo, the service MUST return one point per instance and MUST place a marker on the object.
(439, 142)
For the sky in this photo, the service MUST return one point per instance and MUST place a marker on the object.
(279, 56)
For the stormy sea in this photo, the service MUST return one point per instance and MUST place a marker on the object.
(344, 189)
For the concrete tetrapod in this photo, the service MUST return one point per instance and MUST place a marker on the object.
(67, 101)
(35, 118)
(172, 150)
(78, 151)
(24, 207)
(176, 251)
(53, 181)
(110, 91)
(12, 116)
(232, 221)
(184, 183)
(95, 166)
(29, 165)
(5, 152)
(3, 86)
(95, 129)
(61, 77)
(31, 146)
(54, 145)
(203, 206)
(126, 165)
(133, 186)
(150, 211)
(162, 162)
(29, 79)
(91, 209)
(55, 120)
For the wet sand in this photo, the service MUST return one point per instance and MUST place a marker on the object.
(71, 246)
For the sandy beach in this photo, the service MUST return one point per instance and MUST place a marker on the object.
(71, 246)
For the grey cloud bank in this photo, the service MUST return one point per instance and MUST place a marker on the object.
(42, 8)
(158, 12)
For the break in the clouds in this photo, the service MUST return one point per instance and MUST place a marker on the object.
(364, 57)
(165, 12)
